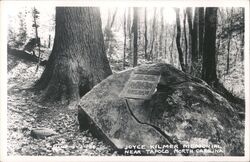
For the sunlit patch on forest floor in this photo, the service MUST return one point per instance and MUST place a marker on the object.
(234, 81)
(25, 113)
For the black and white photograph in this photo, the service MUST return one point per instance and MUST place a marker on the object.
(124, 79)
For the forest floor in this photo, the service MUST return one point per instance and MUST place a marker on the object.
(25, 112)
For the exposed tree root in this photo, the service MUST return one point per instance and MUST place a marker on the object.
(236, 102)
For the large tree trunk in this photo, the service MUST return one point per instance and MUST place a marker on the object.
(178, 36)
(78, 60)
(135, 34)
(209, 65)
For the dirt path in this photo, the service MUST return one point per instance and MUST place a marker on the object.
(26, 113)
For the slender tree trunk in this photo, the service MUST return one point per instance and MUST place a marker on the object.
(190, 26)
(185, 37)
(217, 50)
(35, 25)
(109, 35)
(178, 36)
(78, 61)
(194, 38)
(129, 21)
(37, 39)
(209, 66)
(242, 46)
(229, 41)
(153, 34)
(166, 43)
(201, 31)
(49, 41)
(135, 34)
(129, 33)
(145, 34)
(125, 37)
(109, 19)
(138, 26)
(228, 53)
(156, 45)
(113, 19)
(108, 32)
(161, 34)
(243, 35)
(171, 47)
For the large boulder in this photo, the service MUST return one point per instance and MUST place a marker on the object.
(154, 108)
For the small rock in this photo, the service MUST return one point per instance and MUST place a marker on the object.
(41, 133)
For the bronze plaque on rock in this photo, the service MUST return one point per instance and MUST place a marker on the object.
(140, 86)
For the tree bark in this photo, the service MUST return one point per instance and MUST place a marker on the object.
(108, 34)
(145, 34)
(125, 38)
(49, 41)
(161, 34)
(178, 36)
(38, 43)
(201, 31)
(242, 44)
(229, 39)
(156, 43)
(129, 33)
(194, 38)
(171, 47)
(185, 38)
(78, 61)
(190, 26)
(209, 65)
(135, 34)
(153, 34)
(166, 42)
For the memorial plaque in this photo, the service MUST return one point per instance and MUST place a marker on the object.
(140, 86)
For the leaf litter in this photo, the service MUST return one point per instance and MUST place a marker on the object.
(25, 113)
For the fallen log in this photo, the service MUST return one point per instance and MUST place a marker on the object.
(23, 56)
